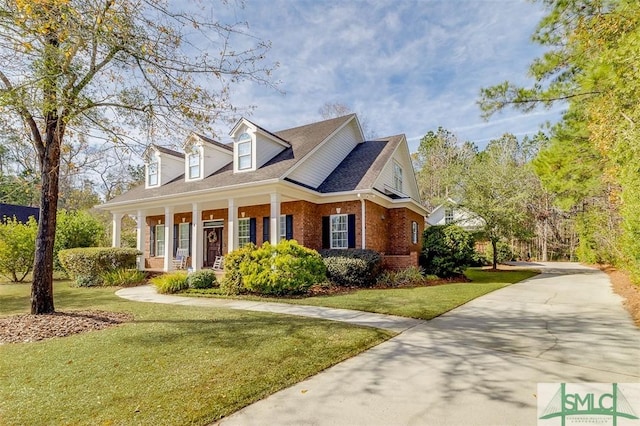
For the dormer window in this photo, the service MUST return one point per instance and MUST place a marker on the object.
(244, 152)
(194, 163)
(152, 174)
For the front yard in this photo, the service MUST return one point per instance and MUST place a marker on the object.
(171, 365)
(181, 365)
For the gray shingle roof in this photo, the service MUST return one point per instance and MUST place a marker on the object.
(302, 139)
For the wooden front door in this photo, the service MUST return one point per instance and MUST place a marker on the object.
(213, 242)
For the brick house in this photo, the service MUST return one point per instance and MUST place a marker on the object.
(321, 184)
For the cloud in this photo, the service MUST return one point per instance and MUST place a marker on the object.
(406, 66)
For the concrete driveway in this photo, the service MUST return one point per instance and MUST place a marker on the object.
(476, 365)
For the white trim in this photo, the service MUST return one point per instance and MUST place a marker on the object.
(345, 231)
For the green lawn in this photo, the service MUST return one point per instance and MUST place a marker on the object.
(416, 302)
(173, 365)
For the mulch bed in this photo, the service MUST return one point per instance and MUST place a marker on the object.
(31, 328)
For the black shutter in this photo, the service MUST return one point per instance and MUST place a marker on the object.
(265, 229)
(289, 227)
(326, 232)
(175, 239)
(152, 241)
(190, 236)
(351, 231)
(252, 230)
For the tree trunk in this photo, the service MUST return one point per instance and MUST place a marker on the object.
(494, 245)
(42, 286)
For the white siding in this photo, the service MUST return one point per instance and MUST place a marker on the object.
(170, 167)
(315, 169)
(266, 149)
(215, 159)
(385, 180)
(461, 217)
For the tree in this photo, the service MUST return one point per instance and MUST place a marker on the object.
(337, 109)
(17, 246)
(591, 63)
(494, 188)
(440, 162)
(76, 65)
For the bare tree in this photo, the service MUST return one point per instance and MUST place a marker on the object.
(73, 65)
(337, 109)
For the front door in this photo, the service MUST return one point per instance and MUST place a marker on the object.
(213, 242)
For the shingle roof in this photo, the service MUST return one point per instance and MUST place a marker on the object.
(302, 139)
(214, 142)
(361, 168)
(168, 151)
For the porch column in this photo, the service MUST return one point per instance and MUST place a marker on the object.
(168, 239)
(232, 236)
(116, 223)
(274, 226)
(141, 226)
(196, 237)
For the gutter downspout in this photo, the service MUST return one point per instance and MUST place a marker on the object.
(364, 219)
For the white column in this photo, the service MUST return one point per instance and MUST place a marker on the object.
(196, 237)
(274, 225)
(363, 228)
(141, 226)
(232, 219)
(168, 239)
(117, 227)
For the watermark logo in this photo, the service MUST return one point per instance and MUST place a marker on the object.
(616, 404)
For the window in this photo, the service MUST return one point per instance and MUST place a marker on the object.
(339, 231)
(283, 227)
(159, 240)
(397, 177)
(244, 151)
(183, 235)
(448, 216)
(414, 232)
(194, 164)
(244, 232)
(152, 174)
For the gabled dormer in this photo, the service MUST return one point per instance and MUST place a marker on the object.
(204, 156)
(254, 146)
(162, 165)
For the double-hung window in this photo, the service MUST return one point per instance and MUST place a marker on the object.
(339, 231)
(448, 216)
(414, 232)
(244, 232)
(244, 152)
(160, 240)
(194, 164)
(152, 174)
(283, 227)
(397, 177)
(183, 235)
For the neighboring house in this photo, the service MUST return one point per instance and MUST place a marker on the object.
(450, 213)
(320, 184)
(21, 213)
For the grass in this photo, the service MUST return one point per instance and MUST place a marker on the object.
(174, 365)
(415, 302)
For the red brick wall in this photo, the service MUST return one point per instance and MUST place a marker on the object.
(396, 262)
(376, 228)
(399, 231)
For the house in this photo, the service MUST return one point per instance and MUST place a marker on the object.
(20, 213)
(451, 213)
(321, 184)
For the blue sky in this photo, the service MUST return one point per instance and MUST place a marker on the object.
(404, 66)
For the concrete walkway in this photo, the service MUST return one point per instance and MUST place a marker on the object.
(476, 365)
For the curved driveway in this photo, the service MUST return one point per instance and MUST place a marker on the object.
(476, 365)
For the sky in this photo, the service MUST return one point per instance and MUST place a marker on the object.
(403, 66)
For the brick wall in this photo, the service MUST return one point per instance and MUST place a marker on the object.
(396, 262)
(376, 227)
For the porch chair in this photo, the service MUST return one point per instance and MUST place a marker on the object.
(180, 261)
(218, 263)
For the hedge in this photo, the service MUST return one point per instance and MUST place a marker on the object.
(86, 265)
(352, 267)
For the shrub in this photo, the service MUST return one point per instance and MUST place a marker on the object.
(76, 229)
(122, 277)
(286, 268)
(504, 252)
(232, 282)
(412, 275)
(204, 278)
(171, 283)
(447, 250)
(352, 267)
(17, 248)
(86, 265)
